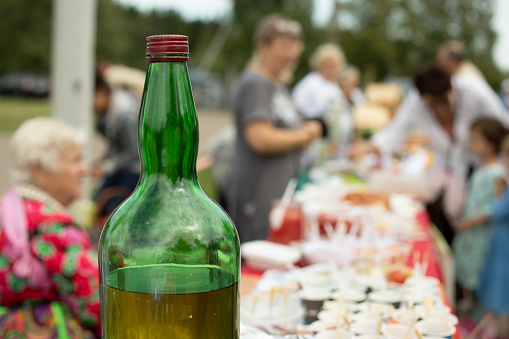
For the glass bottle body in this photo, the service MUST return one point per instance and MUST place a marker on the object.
(169, 256)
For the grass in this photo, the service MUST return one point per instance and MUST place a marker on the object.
(13, 111)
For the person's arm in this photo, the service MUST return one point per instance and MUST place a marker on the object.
(485, 210)
(467, 224)
(71, 262)
(265, 139)
(486, 100)
(394, 135)
(254, 119)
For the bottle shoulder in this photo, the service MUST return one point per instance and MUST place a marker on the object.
(163, 213)
(157, 227)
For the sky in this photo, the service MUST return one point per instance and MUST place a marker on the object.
(211, 9)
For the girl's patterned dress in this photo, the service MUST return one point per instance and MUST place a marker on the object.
(470, 246)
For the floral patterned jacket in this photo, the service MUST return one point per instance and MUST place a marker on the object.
(68, 257)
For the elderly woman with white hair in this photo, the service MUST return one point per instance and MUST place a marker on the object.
(48, 268)
(319, 96)
(313, 94)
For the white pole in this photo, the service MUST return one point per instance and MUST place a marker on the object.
(72, 64)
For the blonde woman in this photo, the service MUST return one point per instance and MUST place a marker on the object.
(314, 93)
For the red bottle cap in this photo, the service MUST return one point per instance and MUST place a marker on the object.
(167, 48)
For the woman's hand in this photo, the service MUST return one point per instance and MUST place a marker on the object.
(500, 187)
(266, 139)
(462, 225)
(467, 224)
(313, 129)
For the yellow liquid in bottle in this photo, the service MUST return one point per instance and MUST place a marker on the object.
(133, 315)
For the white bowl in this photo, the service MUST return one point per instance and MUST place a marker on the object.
(331, 316)
(287, 310)
(385, 297)
(350, 295)
(332, 334)
(322, 325)
(438, 317)
(422, 282)
(398, 331)
(366, 316)
(417, 298)
(419, 294)
(405, 317)
(317, 276)
(266, 255)
(372, 307)
(364, 326)
(425, 290)
(314, 294)
(437, 309)
(334, 305)
(436, 328)
(315, 252)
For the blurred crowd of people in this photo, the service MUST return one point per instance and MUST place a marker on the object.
(48, 265)
(462, 120)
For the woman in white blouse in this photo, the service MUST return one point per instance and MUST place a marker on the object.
(318, 96)
(313, 94)
(443, 109)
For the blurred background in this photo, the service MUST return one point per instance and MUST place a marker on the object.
(386, 39)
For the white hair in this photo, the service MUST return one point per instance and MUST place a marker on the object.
(347, 72)
(40, 141)
(327, 51)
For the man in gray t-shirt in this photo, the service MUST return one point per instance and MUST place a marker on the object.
(257, 180)
(270, 134)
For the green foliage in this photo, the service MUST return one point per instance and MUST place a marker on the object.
(122, 32)
(383, 37)
(396, 37)
(25, 35)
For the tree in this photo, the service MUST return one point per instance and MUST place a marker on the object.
(383, 37)
(395, 37)
(245, 15)
(25, 31)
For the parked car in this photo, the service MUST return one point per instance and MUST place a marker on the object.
(208, 88)
(25, 84)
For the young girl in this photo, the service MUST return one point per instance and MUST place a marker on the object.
(493, 288)
(473, 231)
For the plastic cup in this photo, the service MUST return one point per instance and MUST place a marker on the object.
(398, 331)
(386, 297)
(436, 328)
(364, 327)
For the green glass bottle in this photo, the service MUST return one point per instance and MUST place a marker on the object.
(169, 256)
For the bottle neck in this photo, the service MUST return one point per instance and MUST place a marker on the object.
(168, 128)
